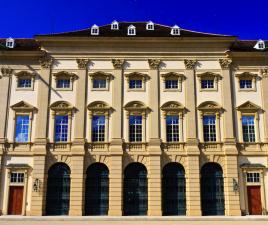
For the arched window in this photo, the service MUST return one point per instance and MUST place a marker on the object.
(173, 190)
(212, 191)
(135, 190)
(58, 190)
(97, 190)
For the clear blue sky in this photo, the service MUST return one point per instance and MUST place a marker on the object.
(247, 19)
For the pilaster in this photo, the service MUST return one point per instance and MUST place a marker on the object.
(264, 85)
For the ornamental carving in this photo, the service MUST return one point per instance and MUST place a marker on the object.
(101, 74)
(99, 107)
(82, 63)
(208, 74)
(246, 75)
(6, 72)
(172, 107)
(248, 107)
(190, 64)
(136, 107)
(25, 74)
(65, 74)
(45, 61)
(172, 75)
(264, 72)
(62, 107)
(154, 63)
(22, 106)
(209, 106)
(118, 63)
(225, 63)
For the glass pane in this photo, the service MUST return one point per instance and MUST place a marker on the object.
(248, 128)
(24, 83)
(61, 128)
(135, 84)
(22, 128)
(135, 128)
(206, 84)
(171, 84)
(98, 128)
(245, 84)
(172, 128)
(63, 83)
(99, 83)
(209, 128)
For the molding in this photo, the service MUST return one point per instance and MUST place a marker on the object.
(248, 106)
(82, 63)
(209, 106)
(246, 75)
(190, 64)
(62, 107)
(225, 63)
(65, 74)
(100, 74)
(136, 107)
(23, 106)
(154, 63)
(99, 107)
(45, 61)
(6, 72)
(172, 107)
(25, 74)
(118, 63)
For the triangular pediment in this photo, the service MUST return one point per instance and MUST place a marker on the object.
(248, 106)
(22, 105)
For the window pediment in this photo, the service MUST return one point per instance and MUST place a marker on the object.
(65, 74)
(137, 75)
(101, 74)
(209, 106)
(248, 107)
(172, 75)
(208, 75)
(99, 107)
(246, 75)
(136, 107)
(62, 107)
(25, 74)
(172, 107)
(23, 106)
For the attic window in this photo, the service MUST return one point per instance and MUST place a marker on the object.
(94, 30)
(131, 30)
(175, 30)
(150, 26)
(10, 43)
(260, 45)
(115, 25)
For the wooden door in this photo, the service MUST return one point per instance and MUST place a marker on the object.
(15, 200)
(254, 200)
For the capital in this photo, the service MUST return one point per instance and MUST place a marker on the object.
(45, 61)
(82, 63)
(225, 63)
(154, 63)
(6, 72)
(264, 72)
(118, 63)
(190, 64)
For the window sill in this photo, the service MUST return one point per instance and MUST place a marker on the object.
(24, 89)
(63, 89)
(136, 90)
(247, 90)
(209, 90)
(99, 89)
(172, 90)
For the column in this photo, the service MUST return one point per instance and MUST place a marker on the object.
(193, 168)
(116, 187)
(40, 141)
(5, 84)
(232, 201)
(154, 170)
(264, 83)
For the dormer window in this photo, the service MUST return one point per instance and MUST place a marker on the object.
(10, 43)
(175, 30)
(150, 25)
(115, 25)
(94, 30)
(260, 45)
(131, 30)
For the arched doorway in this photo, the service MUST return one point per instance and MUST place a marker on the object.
(97, 190)
(212, 190)
(135, 190)
(173, 190)
(58, 190)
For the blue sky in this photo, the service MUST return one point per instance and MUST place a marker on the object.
(25, 18)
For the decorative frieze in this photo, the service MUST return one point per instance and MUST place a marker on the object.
(82, 63)
(6, 72)
(154, 63)
(118, 63)
(190, 64)
(45, 61)
(225, 63)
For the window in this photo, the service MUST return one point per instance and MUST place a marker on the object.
(99, 83)
(135, 84)
(253, 177)
(115, 25)
(260, 45)
(22, 128)
(16, 177)
(175, 30)
(245, 84)
(172, 127)
(209, 128)
(131, 30)
(171, 84)
(63, 83)
(207, 84)
(135, 128)
(24, 83)
(10, 43)
(150, 26)
(248, 128)
(98, 128)
(61, 128)
(94, 30)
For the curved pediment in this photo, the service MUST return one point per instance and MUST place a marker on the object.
(209, 106)
(172, 105)
(100, 74)
(97, 105)
(65, 74)
(23, 106)
(61, 106)
(25, 74)
(248, 107)
(135, 105)
(246, 75)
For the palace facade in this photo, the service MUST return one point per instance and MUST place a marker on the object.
(133, 119)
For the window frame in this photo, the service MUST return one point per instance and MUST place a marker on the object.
(214, 137)
(93, 29)
(29, 128)
(64, 75)
(25, 75)
(247, 76)
(150, 25)
(137, 136)
(172, 76)
(175, 31)
(130, 29)
(208, 76)
(248, 133)
(101, 76)
(136, 76)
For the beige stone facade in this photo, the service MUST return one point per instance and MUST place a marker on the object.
(117, 60)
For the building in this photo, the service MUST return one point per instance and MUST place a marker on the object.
(133, 119)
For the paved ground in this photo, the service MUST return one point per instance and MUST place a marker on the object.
(63, 220)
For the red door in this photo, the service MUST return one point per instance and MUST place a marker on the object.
(15, 200)
(254, 200)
